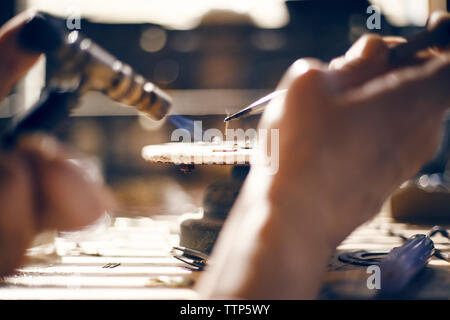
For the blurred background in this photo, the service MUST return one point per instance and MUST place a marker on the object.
(212, 56)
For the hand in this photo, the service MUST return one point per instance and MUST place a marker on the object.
(39, 190)
(14, 60)
(349, 134)
(353, 132)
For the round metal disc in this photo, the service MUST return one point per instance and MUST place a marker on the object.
(198, 153)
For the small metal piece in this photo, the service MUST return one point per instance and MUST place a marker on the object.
(194, 258)
(437, 229)
(187, 168)
(191, 253)
(438, 253)
(199, 265)
(394, 234)
(441, 255)
(363, 257)
(111, 265)
(227, 122)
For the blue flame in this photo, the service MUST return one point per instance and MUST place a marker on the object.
(185, 123)
(182, 123)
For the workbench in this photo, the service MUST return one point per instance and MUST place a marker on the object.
(347, 281)
(131, 258)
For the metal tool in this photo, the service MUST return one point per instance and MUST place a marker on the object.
(439, 36)
(256, 107)
(402, 264)
(193, 258)
(81, 66)
(363, 257)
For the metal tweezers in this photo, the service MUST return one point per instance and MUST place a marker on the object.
(194, 258)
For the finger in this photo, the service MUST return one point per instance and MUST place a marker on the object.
(300, 80)
(416, 59)
(366, 59)
(366, 49)
(407, 107)
(42, 146)
(72, 200)
(14, 60)
(67, 196)
(46, 147)
(369, 58)
(427, 83)
(298, 69)
(393, 40)
(17, 221)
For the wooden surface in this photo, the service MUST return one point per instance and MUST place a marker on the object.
(130, 258)
(346, 281)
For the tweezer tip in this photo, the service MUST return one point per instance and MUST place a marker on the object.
(233, 116)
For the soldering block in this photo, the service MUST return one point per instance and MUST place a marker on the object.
(200, 234)
(198, 153)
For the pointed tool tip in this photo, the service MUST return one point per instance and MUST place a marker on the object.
(236, 115)
(229, 118)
